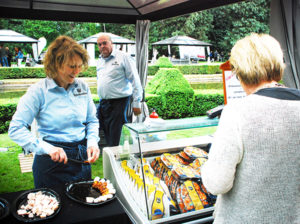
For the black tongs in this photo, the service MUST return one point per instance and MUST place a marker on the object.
(86, 162)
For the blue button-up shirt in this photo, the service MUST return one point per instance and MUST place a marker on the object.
(117, 77)
(61, 115)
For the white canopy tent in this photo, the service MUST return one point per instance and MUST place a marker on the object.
(187, 45)
(10, 36)
(118, 41)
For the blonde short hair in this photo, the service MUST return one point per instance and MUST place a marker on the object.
(257, 58)
(60, 51)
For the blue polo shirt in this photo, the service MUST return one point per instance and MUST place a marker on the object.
(117, 77)
(61, 115)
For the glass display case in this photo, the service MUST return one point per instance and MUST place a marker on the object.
(156, 170)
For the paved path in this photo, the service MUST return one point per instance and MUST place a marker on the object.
(23, 84)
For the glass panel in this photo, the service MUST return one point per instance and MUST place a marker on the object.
(168, 125)
(141, 153)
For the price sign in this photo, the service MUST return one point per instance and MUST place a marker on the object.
(231, 85)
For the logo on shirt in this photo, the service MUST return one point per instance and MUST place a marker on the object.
(115, 63)
(78, 91)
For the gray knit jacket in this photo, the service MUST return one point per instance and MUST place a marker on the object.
(254, 161)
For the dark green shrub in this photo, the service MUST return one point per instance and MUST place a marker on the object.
(199, 69)
(164, 62)
(207, 85)
(205, 102)
(6, 113)
(32, 72)
(176, 93)
(18, 73)
(154, 102)
(152, 69)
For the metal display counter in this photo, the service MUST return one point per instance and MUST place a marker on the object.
(140, 144)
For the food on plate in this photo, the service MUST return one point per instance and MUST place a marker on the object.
(38, 204)
(105, 188)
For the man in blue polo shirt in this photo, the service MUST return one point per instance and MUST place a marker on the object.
(117, 82)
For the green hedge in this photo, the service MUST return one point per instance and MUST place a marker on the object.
(201, 104)
(28, 72)
(176, 93)
(205, 102)
(164, 62)
(6, 113)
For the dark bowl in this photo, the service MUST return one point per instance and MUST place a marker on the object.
(22, 199)
(78, 191)
(4, 208)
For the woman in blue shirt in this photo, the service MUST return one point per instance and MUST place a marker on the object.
(19, 56)
(66, 118)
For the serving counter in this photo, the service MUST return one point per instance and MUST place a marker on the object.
(131, 168)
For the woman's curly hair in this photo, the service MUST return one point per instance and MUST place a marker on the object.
(62, 49)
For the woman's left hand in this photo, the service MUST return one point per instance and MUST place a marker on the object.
(93, 153)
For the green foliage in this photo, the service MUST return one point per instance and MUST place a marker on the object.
(201, 104)
(166, 79)
(176, 93)
(154, 102)
(207, 86)
(6, 113)
(235, 21)
(164, 62)
(152, 69)
(19, 73)
(205, 102)
(32, 72)
(199, 69)
(190, 69)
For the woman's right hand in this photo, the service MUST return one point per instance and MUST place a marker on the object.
(57, 154)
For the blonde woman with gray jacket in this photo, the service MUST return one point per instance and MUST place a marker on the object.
(253, 163)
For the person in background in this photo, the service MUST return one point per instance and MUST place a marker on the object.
(19, 56)
(253, 163)
(66, 118)
(3, 56)
(9, 56)
(117, 82)
(211, 56)
(216, 53)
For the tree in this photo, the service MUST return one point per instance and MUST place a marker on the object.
(221, 26)
(235, 21)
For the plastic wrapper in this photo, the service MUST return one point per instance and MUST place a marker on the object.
(194, 152)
